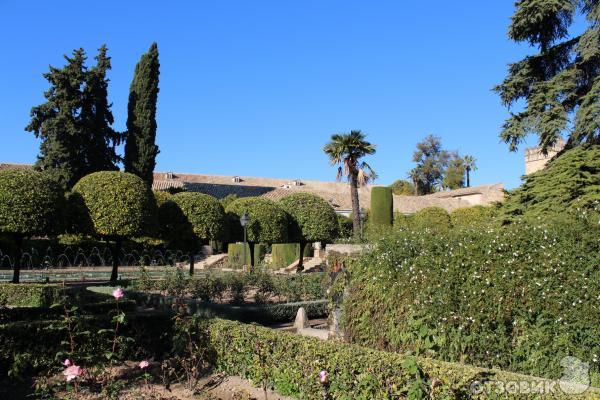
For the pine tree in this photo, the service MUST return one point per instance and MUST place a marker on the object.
(74, 123)
(560, 84)
(140, 147)
(56, 122)
(97, 118)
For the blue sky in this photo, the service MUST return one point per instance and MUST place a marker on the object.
(257, 87)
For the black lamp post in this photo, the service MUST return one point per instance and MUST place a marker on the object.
(244, 222)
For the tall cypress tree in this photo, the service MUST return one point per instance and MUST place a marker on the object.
(561, 83)
(140, 149)
(74, 123)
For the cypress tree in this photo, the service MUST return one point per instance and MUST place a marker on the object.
(140, 149)
(561, 83)
(74, 123)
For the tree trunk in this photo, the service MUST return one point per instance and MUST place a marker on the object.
(300, 267)
(192, 259)
(468, 177)
(17, 263)
(114, 275)
(251, 248)
(355, 204)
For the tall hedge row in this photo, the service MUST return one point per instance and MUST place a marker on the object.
(519, 297)
(283, 254)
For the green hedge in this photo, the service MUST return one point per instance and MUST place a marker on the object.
(29, 294)
(382, 206)
(283, 254)
(476, 216)
(519, 297)
(432, 218)
(235, 254)
(290, 364)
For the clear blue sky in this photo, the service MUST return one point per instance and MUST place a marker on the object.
(257, 87)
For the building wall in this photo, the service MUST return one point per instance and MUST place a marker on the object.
(535, 160)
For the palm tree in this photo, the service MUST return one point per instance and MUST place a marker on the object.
(469, 166)
(346, 151)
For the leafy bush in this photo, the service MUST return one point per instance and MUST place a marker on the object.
(120, 204)
(473, 216)
(268, 222)
(29, 295)
(30, 204)
(344, 226)
(382, 206)
(569, 181)
(174, 227)
(433, 218)
(314, 219)
(283, 254)
(518, 297)
(204, 212)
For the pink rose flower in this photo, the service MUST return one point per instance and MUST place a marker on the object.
(144, 364)
(323, 376)
(118, 293)
(72, 372)
(67, 362)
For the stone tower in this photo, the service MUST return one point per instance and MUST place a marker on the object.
(535, 160)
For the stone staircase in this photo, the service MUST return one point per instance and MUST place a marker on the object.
(310, 264)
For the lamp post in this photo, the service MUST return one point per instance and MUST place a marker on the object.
(244, 222)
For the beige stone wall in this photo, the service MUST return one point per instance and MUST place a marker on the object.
(535, 160)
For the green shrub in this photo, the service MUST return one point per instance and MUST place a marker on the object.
(174, 227)
(120, 206)
(433, 218)
(268, 222)
(382, 206)
(204, 212)
(30, 204)
(283, 254)
(476, 216)
(518, 297)
(29, 295)
(344, 226)
(569, 181)
(290, 364)
(235, 254)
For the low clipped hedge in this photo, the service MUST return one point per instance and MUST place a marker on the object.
(29, 294)
(290, 364)
(283, 254)
(235, 254)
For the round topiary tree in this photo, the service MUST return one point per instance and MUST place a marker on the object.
(313, 220)
(120, 206)
(435, 218)
(268, 222)
(30, 203)
(382, 206)
(205, 215)
(174, 228)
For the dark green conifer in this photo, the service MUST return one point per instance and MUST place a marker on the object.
(560, 84)
(140, 147)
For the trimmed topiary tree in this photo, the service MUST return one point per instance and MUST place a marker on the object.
(382, 206)
(283, 254)
(206, 216)
(120, 206)
(435, 218)
(174, 228)
(30, 203)
(313, 220)
(268, 222)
